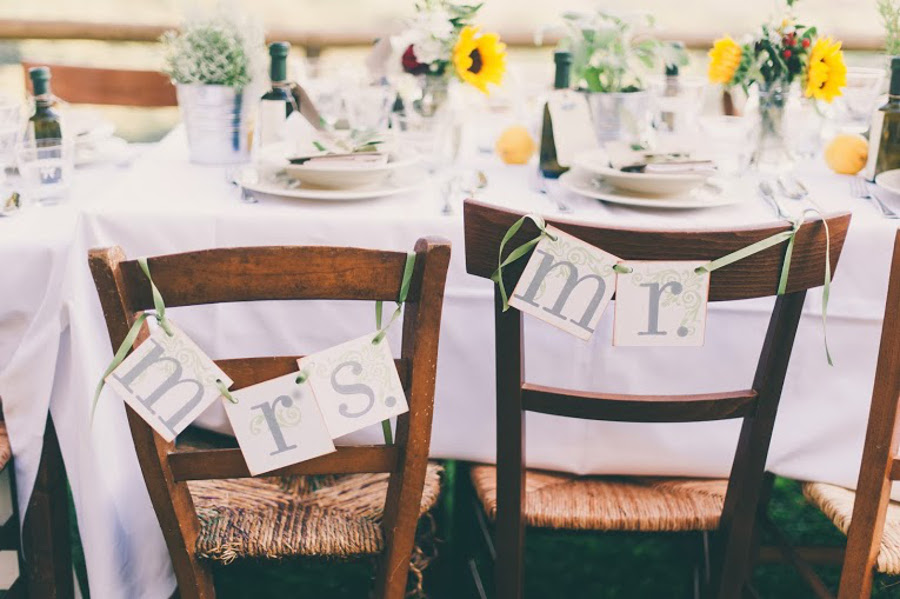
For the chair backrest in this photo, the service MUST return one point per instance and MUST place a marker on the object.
(880, 466)
(282, 273)
(755, 276)
(115, 87)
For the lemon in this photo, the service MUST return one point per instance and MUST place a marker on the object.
(847, 153)
(515, 145)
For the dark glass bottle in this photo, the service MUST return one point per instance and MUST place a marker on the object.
(45, 121)
(888, 138)
(549, 165)
(279, 102)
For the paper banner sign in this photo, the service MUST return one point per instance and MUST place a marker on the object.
(355, 384)
(278, 423)
(567, 283)
(661, 303)
(168, 380)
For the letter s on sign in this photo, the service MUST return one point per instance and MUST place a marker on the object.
(352, 389)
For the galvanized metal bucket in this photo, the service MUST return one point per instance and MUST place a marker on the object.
(217, 120)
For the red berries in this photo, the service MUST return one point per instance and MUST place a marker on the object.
(806, 43)
(786, 53)
(790, 40)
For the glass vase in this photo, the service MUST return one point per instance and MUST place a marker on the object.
(772, 153)
(435, 91)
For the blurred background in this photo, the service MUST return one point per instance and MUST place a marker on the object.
(329, 35)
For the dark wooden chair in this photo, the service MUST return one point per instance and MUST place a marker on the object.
(513, 497)
(111, 87)
(868, 517)
(42, 544)
(376, 495)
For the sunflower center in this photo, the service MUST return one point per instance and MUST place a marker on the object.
(477, 61)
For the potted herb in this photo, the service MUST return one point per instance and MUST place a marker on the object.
(609, 55)
(213, 62)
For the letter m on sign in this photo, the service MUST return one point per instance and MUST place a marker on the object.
(567, 283)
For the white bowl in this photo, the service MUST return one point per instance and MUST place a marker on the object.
(889, 180)
(344, 176)
(652, 184)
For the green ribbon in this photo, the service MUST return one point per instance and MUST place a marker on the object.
(517, 253)
(225, 392)
(408, 270)
(128, 342)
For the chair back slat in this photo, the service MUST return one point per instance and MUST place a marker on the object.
(269, 273)
(754, 276)
(250, 371)
(638, 408)
(111, 87)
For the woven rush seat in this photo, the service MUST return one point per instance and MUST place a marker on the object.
(567, 501)
(5, 448)
(837, 505)
(282, 517)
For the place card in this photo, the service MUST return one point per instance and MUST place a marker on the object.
(356, 384)
(573, 129)
(278, 423)
(567, 283)
(661, 303)
(168, 380)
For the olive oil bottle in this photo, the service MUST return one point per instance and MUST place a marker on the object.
(45, 122)
(549, 163)
(884, 136)
(278, 103)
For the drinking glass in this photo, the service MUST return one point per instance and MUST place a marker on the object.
(729, 140)
(677, 106)
(860, 98)
(47, 168)
(10, 128)
(369, 107)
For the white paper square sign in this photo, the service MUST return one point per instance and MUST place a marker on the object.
(168, 380)
(277, 423)
(573, 129)
(356, 384)
(661, 303)
(567, 283)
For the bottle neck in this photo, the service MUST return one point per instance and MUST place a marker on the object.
(45, 100)
(561, 81)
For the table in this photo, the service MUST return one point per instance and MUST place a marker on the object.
(53, 343)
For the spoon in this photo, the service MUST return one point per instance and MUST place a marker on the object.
(793, 189)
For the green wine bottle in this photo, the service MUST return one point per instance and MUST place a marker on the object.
(278, 103)
(45, 122)
(549, 165)
(886, 126)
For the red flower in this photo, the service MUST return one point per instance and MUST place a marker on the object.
(411, 64)
(786, 53)
(789, 40)
(806, 42)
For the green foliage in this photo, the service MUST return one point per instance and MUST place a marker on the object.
(215, 51)
(889, 11)
(609, 54)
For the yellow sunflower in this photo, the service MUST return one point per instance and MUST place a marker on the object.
(724, 59)
(826, 73)
(479, 58)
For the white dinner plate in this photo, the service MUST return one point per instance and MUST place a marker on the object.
(251, 179)
(656, 184)
(587, 184)
(341, 176)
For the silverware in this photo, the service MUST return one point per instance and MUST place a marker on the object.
(12, 205)
(246, 196)
(545, 191)
(446, 192)
(766, 192)
(792, 187)
(860, 188)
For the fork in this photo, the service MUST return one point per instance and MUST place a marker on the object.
(859, 188)
(544, 190)
(765, 190)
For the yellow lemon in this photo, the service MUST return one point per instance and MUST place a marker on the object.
(847, 153)
(515, 145)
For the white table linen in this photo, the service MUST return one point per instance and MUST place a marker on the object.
(53, 341)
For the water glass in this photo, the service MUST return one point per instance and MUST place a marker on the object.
(369, 107)
(860, 98)
(729, 140)
(10, 128)
(47, 169)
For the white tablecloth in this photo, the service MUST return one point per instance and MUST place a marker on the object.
(53, 343)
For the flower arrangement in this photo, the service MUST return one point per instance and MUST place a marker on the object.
(440, 39)
(889, 11)
(781, 54)
(222, 49)
(608, 53)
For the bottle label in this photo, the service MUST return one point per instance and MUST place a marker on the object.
(874, 144)
(573, 131)
(271, 124)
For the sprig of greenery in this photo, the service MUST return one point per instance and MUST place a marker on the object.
(889, 11)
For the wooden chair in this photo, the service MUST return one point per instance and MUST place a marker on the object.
(205, 517)
(868, 517)
(112, 87)
(513, 497)
(43, 543)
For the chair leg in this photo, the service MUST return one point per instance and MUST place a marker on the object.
(45, 534)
